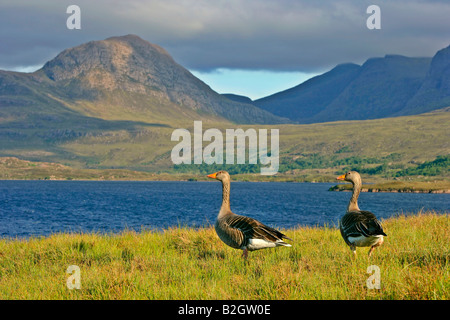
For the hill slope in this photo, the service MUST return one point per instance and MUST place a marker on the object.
(382, 87)
(303, 102)
(121, 78)
(382, 147)
(435, 89)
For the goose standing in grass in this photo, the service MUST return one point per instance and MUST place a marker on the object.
(359, 228)
(242, 232)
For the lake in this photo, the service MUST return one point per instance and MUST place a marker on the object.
(40, 208)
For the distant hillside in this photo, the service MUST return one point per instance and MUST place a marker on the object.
(120, 78)
(382, 87)
(393, 147)
(398, 147)
(303, 102)
(435, 89)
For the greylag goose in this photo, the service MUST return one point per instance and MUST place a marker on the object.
(359, 228)
(242, 232)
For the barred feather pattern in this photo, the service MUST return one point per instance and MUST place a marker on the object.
(236, 231)
(360, 223)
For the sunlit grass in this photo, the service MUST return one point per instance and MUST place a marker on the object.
(186, 263)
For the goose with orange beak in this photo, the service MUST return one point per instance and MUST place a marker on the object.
(242, 232)
(359, 228)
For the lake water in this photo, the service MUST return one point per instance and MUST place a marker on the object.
(35, 208)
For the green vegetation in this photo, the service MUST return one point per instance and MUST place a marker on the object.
(185, 263)
(317, 161)
(439, 166)
(313, 161)
(232, 169)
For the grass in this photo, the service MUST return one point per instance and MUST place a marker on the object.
(186, 263)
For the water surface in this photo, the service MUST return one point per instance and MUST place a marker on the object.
(35, 208)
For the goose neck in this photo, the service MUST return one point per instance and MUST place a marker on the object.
(353, 204)
(225, 198)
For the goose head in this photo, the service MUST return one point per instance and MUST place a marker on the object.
(351, 176)
(220, 175)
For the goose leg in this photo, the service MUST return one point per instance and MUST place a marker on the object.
(374, 246)
(245, 253)
(371, 250)
(353, 248)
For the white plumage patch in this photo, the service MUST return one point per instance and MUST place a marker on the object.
(256, 244)
(363, 241)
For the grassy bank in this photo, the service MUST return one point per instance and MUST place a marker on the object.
(184, 263)
(12, 168)
(400, 186)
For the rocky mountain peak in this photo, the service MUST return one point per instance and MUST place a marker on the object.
(99, 69)
(128, 56)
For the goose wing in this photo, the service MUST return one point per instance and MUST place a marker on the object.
(241, 230)
(360, 223)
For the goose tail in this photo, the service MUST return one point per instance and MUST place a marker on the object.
(282, 243)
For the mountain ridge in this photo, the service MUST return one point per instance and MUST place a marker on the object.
(120, 66)
(306, 99)
(435, 89)
(393, 85)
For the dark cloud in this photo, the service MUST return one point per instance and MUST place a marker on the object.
(306, 36)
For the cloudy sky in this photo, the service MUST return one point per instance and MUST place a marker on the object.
(250, 47)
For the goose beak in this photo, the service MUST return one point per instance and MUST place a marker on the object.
(212, 175)
(341, 177)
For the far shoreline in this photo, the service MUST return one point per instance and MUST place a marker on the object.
(442, 187)
(434, 187)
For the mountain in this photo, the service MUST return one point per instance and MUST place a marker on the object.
(393, 85)
(237, 97)
(109, 104)
(380, 89)
(122, 78)
(304, 101)
(435, 89)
